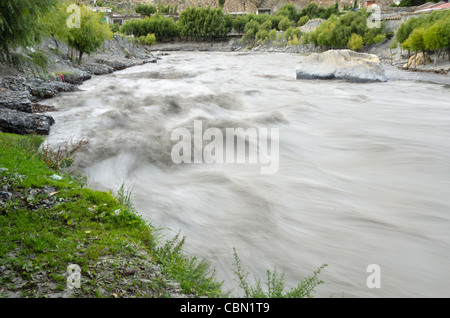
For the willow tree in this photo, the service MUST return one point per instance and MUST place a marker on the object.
(91, 34)
(54, 22)
(19, 23)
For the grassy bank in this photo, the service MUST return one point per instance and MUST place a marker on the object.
(50, 220)
(50, 223)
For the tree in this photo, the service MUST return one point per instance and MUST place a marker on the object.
(54, 22)
(19, 23)
(289, 11)
(239, 23)
(284, 24)
(145, 9)
(206, 23)
(91, 34)
(303, 20)
(337, 31)
(416, 43)
(251, 28)
(436, 37)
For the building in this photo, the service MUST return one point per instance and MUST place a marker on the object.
(121, 18)
(263, 11)
(368, 3)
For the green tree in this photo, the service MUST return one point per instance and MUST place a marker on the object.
(239, 23)
(303, 20)
(205, 23)
(161, 26)
(284, 24)
(416, 42)
(251, 28)
(54, 22)
(436, 37)
(19, 23)
(91, 34)
(145, 9)
(355, 42)
(337, 31)
(289, 11)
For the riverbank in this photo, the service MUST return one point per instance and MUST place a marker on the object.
(50, 222)
(118, 253)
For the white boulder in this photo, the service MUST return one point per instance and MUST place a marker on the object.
(341, 64)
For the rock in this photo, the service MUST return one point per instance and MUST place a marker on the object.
(311, 25)
(17, 122)
(341, 64)
(39, 108)
(97, 68)
(76, 76)
(116, 64)
(150, 60)
(14, 83)
(419, 60)
(16, 100)
(48, 89)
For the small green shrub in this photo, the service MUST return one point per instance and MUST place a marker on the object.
(276, 284)
(355, 42)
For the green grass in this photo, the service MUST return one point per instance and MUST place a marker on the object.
(84, 227)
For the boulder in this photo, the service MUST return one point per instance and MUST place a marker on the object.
(48, 89)
(341, 64)
(76, 76)
(311, 25)
(116, 64)
(16, 100)
(17, 122)
(419, 60)
(14, 83)
(97, 68)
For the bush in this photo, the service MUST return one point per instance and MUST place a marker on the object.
(251, 28)
(201, 23)
(273, 34)
(262, 35)
(284, 24)
(355, 42)
(145, 9)
(303, 20)
(275, 284)
(162, 27)
(289, 11)
(336, 32)
(379, 38)
(292, 33)
(150, 39)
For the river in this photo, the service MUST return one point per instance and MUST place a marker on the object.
(362, 176)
